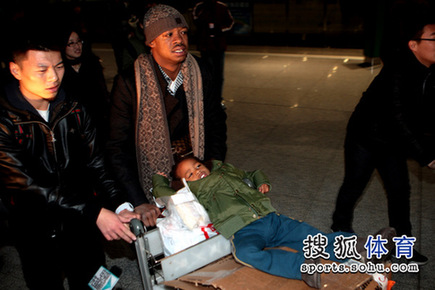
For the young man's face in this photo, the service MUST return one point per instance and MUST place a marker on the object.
(170, 48)
(424, 50)
(40, 74)
(192, 170)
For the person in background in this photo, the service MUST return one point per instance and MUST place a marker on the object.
(163, 108)
(393, 121)
(213, 20)
(84, 78)
(53, 180)
(119, 16)
(135, 43)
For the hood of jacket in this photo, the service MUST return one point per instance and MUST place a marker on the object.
(13, 101)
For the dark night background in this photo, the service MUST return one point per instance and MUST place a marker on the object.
(320, 23)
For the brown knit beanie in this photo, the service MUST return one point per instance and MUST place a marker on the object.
(161, 18)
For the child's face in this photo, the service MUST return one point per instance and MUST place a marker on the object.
(192, 170)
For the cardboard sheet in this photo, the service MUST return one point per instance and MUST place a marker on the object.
(227, 274)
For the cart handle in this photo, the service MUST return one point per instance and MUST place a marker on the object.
(137, 227)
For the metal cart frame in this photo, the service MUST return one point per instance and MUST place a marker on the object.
(149, 245)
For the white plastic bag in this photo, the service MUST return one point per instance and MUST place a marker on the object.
(185, 204)
(186, 222)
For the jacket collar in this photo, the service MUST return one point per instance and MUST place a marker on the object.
(14, 101)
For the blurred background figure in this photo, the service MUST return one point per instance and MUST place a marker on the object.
(374, 15)
(119, 27)
(84, 78)
(128, 39)
(213, 20)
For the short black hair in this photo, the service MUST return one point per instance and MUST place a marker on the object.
(177, 164)
(405, 21)
(423, 14)
(29, 35)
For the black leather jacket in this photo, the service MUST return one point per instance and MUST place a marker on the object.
(55, 167)
(396, 112)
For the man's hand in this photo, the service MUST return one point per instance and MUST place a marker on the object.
(115, 227)
(431, 165)
(148, 214)
(264, 188)
(126, 216)
(162, 174)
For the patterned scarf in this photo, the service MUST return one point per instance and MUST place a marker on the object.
(153, 142)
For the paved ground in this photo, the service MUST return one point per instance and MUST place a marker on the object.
(287, 111)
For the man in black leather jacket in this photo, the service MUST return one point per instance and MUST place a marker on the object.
(52, 175)
(392, 121)
(164, 107)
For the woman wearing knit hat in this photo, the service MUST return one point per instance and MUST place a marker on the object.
(164, 108)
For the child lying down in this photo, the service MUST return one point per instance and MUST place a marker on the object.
(246, 216)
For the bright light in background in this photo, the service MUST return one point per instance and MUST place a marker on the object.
(346, 60)
(304, 58)
(266, 56)
(294, 106)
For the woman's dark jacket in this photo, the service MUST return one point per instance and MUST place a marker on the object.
(396, 112)
(54, 168)
(89, 86)
(121, 149)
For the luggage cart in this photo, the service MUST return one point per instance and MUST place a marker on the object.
(149, 247)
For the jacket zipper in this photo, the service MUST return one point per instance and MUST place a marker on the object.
(424, 82)
(51, 131)
(247, 203)
(241, 198)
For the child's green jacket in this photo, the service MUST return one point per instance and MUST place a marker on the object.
(231, 204)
